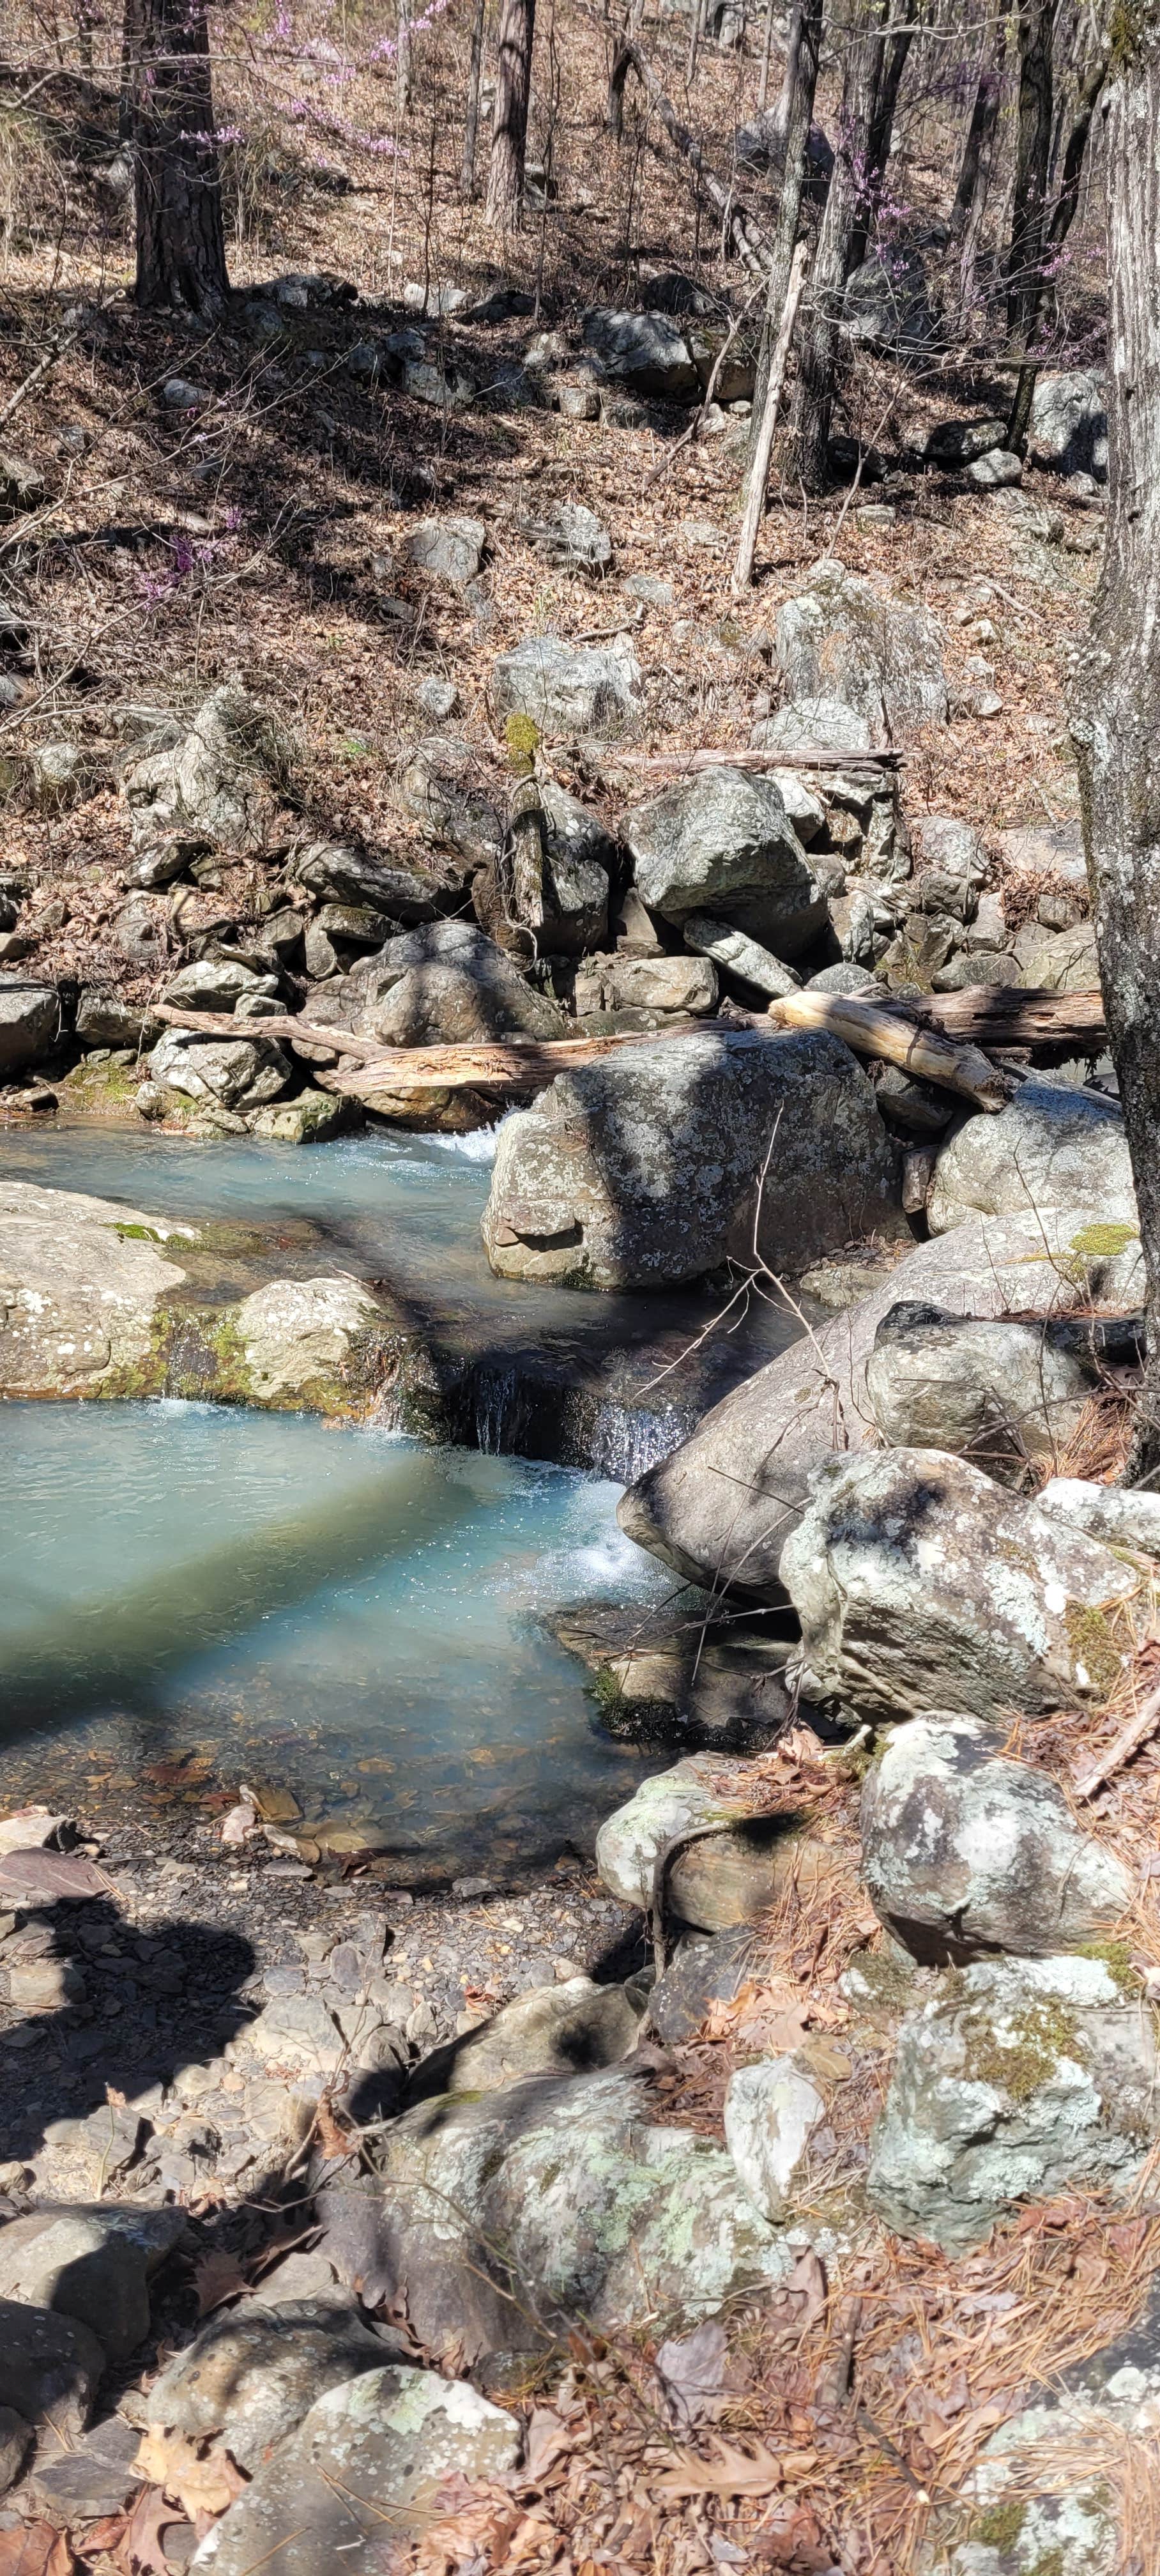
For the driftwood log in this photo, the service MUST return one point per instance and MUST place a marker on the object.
(1003, 1015)
(873, 1030)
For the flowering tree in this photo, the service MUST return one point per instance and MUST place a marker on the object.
(181, 256)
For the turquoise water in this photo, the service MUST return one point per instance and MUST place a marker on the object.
(343, 1612)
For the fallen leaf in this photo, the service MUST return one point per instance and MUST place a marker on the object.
(40, 1877)
(35, 2549)
(730, 2472)
(134, 2540)
(794, 2539)
(548, 2437)
(691, 2368)
(201, 2478)
(217, 2275)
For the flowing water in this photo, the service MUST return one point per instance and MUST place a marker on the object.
(350, 1614)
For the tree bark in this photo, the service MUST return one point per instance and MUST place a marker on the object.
(979, 132)
(759, 467)
(471, 113)
(819, 340)
(882, 123)
(181, 252)
(1116, 688)
(797, 109)
(1029, 206)
(505, 181)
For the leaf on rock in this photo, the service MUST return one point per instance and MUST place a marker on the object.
(240, 1822)
(35, 2549)
(201, 2477)
(28, 1828)
(217, 2275)
(134, 2540)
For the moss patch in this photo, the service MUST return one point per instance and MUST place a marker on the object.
(999, 2527)
(1093, 1647)
(1103, 1242)
(1037, 2037)
(1116, 1957)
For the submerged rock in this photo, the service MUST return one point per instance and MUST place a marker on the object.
(921, 1583)
(652, 1166)
(1049, 1148)
(376, 2450)
(964, 1851)
(505, 2220)
(1019, 2079)
(721, 1506)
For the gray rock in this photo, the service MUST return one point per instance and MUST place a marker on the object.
(52, 2364)
(297, 2034)
(646, 352)
(686, 1798)
(646, 983)
(952, 847)
(95, 2479)
(651, 1166)
(995, 471)
(701, 1972)
(564, 2029)
(61, 775)
(375, 2451)
(91, 2264)
(1020, 2079)
(1058, 961)
(571, 537)
(991, 1389)
(440, 788)
(305, 1121)
(258, 2369)
(648, 587)
(887, 303)
(216, 788)
(342, 872)
(29, 1022)
(21, 483)
(771, 2111)
(438, 698)
(842, 638)
(958, 442)
(82, 1298)
(450, 550)
(964, 1851)
(723, 843)
(1069, 419)
(1039, 850)
(15, 2437)
(214, 984)
(921, 1583)
(139, 932)
(1051, 1147)
(740, 956)
(570, 689)
(177, 395)
(442, 983)
(763, 1440)
(448, 389)
(816, 722)
(240, 1073)
(314, 1342)
(1122, 1516)
(501, 2220)
(847, 978)
(103, 1020)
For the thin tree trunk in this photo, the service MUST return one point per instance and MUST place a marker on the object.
(1116, 689)
(844, 203)
(882, 125)
(805, 48)
(766, 48)
(783, 113)
(181, 253)
(505, 180)
(1029, 206)
(979, 132)
(759, 469)
(471, 115)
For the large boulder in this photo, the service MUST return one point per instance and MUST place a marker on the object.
(1019, 2079)
(843, 638)
(965, 1851)
(1069, 420)
(722, 843)
(570, 689)
(92, 2264)
(438, 984)
(564, 2029)
(1058, 961)
(30, 1023)
(647, 353)
(372, 2454)
(922, 1584)
(318, 1343)
(238, 1073)
(1120, 1516)
(652, 1166)
(259, 2369)
(507, 2219)
(216, 788)
(846, 640)
(721, 1506)
(723, 1864)
(998, 1391)
(84, 1285)
(1049, 1148)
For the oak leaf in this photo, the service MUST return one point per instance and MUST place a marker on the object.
(201, 2477)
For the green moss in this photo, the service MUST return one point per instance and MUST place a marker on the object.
(1017, 2065)
(1093, 1646)
(1103, 1242)
(1048, 2563)
(999, 2527)
(139, 1233)
(1117, 1959)
(522, 736)
(1130, 23)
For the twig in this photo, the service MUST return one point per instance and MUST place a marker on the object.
(1122, 1747)
(42, 368)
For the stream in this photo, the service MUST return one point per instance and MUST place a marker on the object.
(193, 1596)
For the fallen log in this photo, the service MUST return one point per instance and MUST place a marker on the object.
(809, 755)
(869, 1028)
(503, 1066)
(1005, 1015)
(287, 1030)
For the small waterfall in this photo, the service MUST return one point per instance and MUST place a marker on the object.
(504, 1397)
(624, 1442)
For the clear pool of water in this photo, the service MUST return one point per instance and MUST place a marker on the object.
(341, 1612)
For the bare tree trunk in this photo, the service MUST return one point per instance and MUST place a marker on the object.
(403, 58)
(805, 48)
(979, 132)
(1029, 206)
(759, 469)
(471, 114)
(844, 204)
(181, 252)
(1116, 689)
(783, 112)
(505, 179)
(882, 125)
(766, 49)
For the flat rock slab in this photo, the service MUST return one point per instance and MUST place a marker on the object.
(97, 2478)
(50, 2366)
(370, 2457)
